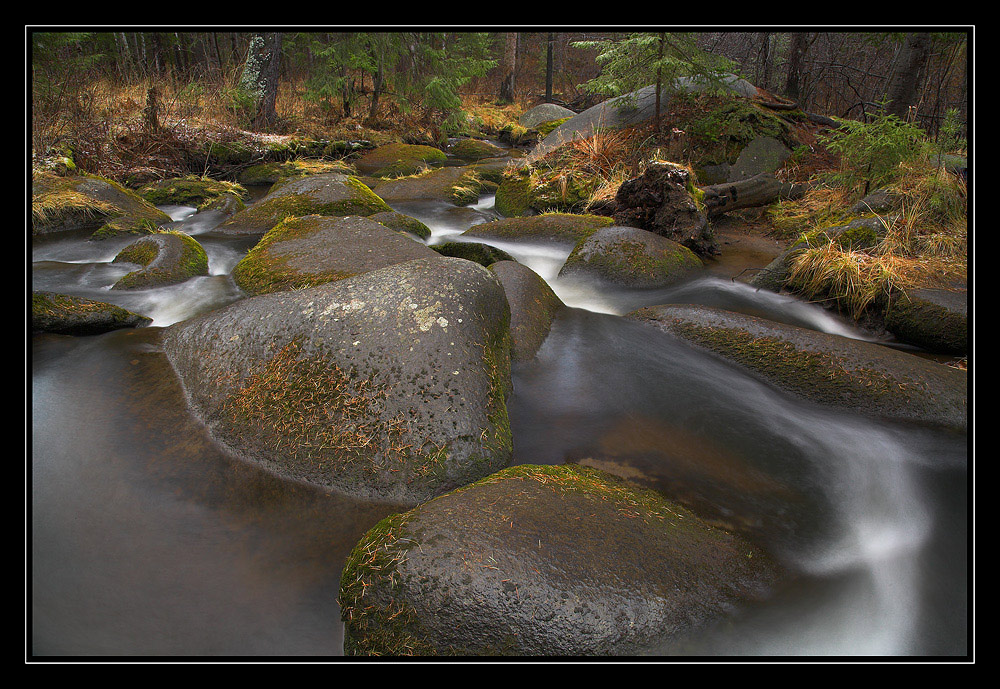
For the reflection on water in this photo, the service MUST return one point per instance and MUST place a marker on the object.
(148, 539)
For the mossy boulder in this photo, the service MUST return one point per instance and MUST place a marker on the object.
(762, 154)
(543, 561)
(548, 227)
(852, 234)
(390, 386)
(546, 112)
(402, 223)
(533, 306)
(828, 369)
(933, 319)
(189, 191)
(456, 185)
(398, 159)
(272, 172)
(227, 204)
(631, 257)
(513, 197)
(483, 254)
(330, 194)
(474, 149)
(313, 249)
(87, 202)
(67, 315)
(167, 259)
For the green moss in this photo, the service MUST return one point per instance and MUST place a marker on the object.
(546, 128)
(270, 173)
(813, 374)
(402, 223)
(189, 191)
(262, 272)
(191, 262)
(124, 225)
(727, 128)
(399, 160)
(381, 625)
(514, 197)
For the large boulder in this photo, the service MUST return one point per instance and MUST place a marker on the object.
(631, 257)
(456, 185)
(62, 203)
(390, 385)
(167, 258)
(475, 149)
(763, 154)
(331, 194)
(68, 315)
(311, 250)
(832, 370)
(533, 306)
(544, 560)
(546, 112)
(631, 109)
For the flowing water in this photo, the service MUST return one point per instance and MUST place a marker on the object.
(148, 540)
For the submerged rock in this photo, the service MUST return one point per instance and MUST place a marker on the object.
(544, 560)
(631, 257)
(330, 194)
(311, 250)
(533, 306)
(66, 315)
(828, 369)
(167, 259)
(548, 227)
(390, 385)
(483, 254)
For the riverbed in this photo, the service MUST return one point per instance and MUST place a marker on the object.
(147, 539)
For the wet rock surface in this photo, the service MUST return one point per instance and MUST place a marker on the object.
(391, 385)
(829, 369)
(544, 560)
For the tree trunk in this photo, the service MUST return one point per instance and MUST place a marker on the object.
(793, 76)
(759, 190)
(260, 78)
(548, 67)
(509, 68)
(764, 61)
(903, 87)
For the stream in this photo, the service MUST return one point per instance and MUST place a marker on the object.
(147, 539)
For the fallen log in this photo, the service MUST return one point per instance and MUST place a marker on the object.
(758, 190)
